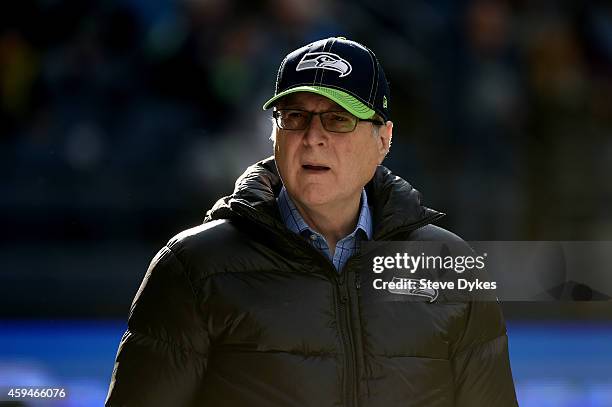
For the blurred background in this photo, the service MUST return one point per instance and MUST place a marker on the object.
(122, 121)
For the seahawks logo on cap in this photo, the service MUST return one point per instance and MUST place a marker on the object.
(325, 60)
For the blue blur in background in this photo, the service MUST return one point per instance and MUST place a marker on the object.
(556, 364)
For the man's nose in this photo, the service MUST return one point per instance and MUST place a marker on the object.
(315, 134)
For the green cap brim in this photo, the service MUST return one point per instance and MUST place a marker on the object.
(350, 103)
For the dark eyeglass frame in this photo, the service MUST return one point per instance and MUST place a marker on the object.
(276, 114)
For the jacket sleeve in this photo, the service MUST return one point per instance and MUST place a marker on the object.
(480, 362)
(479, 357)
(162, 356)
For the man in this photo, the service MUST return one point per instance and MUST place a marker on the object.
(262, 304)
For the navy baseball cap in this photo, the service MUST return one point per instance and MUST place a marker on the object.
(342, 70)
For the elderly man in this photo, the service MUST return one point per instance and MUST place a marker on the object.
(262, 304)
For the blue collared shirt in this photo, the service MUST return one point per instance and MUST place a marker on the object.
(345, 247)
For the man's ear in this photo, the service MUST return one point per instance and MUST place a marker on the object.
(385, 134)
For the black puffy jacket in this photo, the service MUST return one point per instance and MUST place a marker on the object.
(242, 312)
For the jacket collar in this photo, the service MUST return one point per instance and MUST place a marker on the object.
(396, 205)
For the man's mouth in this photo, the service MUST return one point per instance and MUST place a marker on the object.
(316, 168)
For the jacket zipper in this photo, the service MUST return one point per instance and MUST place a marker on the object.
(344, 311)
(342, 308)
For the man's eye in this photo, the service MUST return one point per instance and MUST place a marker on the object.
(295, 115)
(339, 118)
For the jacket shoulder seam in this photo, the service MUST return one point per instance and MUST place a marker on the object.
(196, 301)
(186, 276)
(134, 332)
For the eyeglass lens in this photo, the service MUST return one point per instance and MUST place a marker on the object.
(338, 122)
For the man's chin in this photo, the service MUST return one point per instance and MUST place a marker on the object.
(315, 196)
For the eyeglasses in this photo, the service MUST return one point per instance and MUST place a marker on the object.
(335, 122)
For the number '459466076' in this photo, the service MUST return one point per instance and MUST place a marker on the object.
(35, 392)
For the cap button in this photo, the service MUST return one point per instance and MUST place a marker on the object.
(341, 38)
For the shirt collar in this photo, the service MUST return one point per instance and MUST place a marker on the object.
(293, 220)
